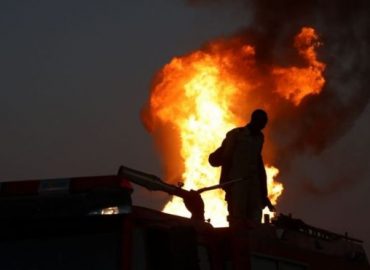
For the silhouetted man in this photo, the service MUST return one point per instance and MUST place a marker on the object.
(240, 158)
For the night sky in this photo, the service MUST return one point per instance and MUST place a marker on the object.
(74, 76)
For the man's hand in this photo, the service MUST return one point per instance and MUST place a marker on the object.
(270, 206)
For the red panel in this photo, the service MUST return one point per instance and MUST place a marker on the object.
(20, 188)
(126, 184)
(87, 183)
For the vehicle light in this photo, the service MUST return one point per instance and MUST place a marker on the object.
(113, 210)
(110, 211)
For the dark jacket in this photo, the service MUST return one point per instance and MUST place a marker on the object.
(223, 157)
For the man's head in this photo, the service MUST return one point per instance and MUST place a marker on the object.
(259, 119)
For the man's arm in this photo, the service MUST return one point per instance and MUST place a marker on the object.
(264, 191)
(263, 177)
(229, 144)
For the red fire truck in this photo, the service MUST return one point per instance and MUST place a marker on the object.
(90, 223)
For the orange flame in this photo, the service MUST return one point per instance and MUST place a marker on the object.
(203, 95)
(295, 83)
(274, 188)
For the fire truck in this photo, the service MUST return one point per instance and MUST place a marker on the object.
(90, 223)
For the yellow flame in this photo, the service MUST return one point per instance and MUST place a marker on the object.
(274, 188)
(201, 133)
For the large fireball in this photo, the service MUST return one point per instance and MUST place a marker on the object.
(197, 98)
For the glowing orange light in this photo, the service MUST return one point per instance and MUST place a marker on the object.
(295, 83)
(203, 95)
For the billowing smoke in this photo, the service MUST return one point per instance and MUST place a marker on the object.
(344, 27)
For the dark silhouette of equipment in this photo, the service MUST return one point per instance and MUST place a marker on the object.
(75, 216)
(192, 199)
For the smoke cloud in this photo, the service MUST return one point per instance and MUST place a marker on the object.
(344, 28)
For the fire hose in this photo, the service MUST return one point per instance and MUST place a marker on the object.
(192, 199)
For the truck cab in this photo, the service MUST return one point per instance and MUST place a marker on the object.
(90, 223)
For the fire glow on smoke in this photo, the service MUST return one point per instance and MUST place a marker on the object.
(202, 95)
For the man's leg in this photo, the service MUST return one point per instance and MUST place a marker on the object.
(240, 247)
